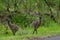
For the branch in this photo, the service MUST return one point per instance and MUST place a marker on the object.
(48, 6)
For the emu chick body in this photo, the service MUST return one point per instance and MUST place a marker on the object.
(36, 25)
(13, 27)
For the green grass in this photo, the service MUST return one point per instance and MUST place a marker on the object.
(53, 29)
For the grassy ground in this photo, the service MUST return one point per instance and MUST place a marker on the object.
(53, 29)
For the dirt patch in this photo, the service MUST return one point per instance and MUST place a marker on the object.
(41, 38)
(38, 38)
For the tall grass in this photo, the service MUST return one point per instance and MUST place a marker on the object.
(27, 33)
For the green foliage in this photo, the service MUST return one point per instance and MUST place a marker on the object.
(24, 20)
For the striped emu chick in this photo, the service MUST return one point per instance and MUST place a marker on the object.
(36, 24)
(13, 27)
